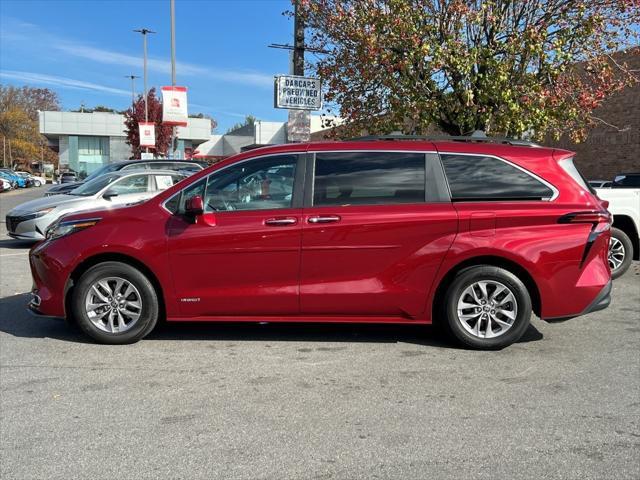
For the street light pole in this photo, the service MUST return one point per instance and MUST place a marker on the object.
(173, 67)
(145, 32)
(133, 87)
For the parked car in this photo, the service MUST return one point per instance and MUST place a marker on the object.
(600, 183)
(624, 205)
(68, 177)
(5, 185)
(16, 180)
(475, 234)
(30, 220)
(177, 165)
(36, 180)
(626, 180)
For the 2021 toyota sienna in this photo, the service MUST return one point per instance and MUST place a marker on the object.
(474, 234)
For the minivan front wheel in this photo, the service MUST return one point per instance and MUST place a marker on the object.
(487, 307)
(115, 303)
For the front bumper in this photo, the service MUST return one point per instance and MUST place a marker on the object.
(28, 228)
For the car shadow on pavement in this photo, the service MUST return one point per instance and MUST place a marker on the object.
(16, 320)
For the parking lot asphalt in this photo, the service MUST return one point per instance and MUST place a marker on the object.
(337, 401)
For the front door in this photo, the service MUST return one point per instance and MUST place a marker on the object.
(375, 234)
(242, 257)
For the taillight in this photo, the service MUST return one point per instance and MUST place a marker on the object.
(601, 221)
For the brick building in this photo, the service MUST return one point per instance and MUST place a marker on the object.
(607, 150)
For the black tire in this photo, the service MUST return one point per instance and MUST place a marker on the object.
(627, 252)
(148, 314)
(467, 277)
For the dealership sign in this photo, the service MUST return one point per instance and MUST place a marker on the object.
(147, 134)
(174, 106)
(297, 93)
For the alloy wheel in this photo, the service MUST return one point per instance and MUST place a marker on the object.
(616, 253)
(113, 304)
(487, 309)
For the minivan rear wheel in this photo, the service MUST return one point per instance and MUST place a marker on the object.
(115, 303)
(487, 307)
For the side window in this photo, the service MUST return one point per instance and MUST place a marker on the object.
(369, 178)
(163, 166)
(258, 184)
(136, 166)
(475, 177)
(189, 192)
(130, 185)
(165, 181)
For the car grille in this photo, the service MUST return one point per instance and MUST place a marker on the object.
(12, 222)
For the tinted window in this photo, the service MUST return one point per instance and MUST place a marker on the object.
(474, 177)
(259, 184)
(369, 178)
(627, 181)
(136, 166)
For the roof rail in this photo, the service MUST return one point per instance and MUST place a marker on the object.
(508, 141)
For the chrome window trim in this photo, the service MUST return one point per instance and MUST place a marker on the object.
(524, 170)
(163, 204)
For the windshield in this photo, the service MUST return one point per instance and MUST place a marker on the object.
(94, 186)
(101, 171)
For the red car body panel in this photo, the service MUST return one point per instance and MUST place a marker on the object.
(378, 263)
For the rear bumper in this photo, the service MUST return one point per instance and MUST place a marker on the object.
(602, 301)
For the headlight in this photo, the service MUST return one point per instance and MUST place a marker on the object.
(43, 212)
(62, 229)
(37, 213)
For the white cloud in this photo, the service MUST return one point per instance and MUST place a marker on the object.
(64, 82)
(18, 31)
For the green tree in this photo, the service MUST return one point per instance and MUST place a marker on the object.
(504, 67)
(21, 139)
(248, 120)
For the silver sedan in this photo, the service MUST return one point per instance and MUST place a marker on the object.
(29, 221)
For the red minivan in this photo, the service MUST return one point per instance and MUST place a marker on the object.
(474, 233)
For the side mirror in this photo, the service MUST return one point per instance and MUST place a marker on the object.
(108, 195)
(194, 206)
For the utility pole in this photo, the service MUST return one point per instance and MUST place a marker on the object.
(298, 41)
(145, 32)
(133, 87)
(173, 67)
(299, 122)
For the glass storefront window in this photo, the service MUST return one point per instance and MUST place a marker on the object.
(93, 153)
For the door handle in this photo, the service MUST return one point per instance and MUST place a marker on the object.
(324, 219)
(280, 222)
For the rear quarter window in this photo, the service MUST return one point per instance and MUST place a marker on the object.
(483, 178)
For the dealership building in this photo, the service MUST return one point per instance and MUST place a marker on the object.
(86, 141)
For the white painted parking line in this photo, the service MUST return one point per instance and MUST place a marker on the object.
(13, 254)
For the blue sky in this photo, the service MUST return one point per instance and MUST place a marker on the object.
(84, 49)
